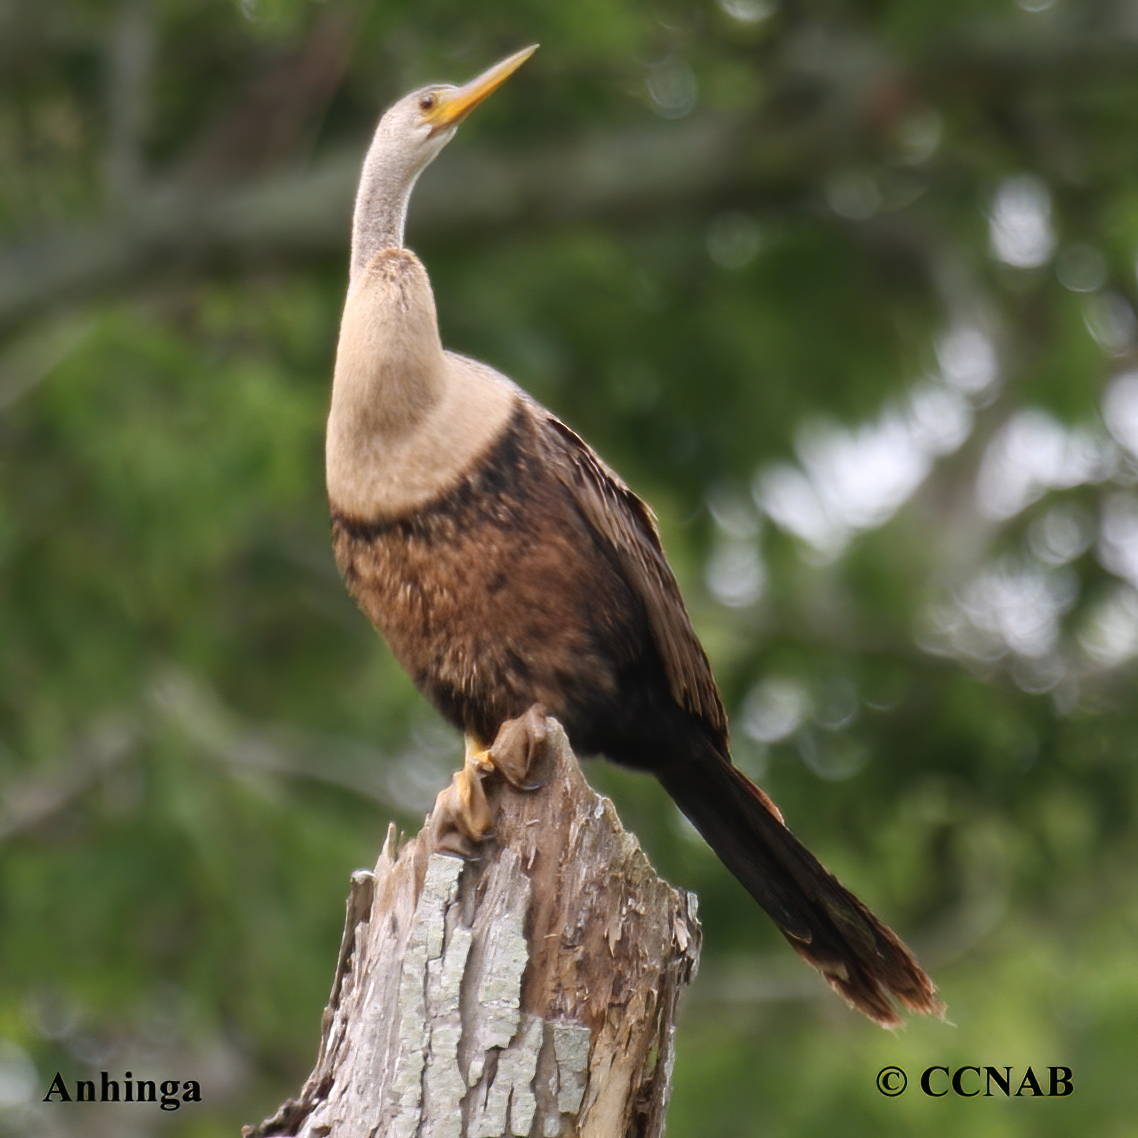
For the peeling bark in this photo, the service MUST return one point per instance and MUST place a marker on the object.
(532, 991)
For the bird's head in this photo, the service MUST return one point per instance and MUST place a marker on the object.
(408, 138)
(420, 124)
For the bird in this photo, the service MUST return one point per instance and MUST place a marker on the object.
(508, 567)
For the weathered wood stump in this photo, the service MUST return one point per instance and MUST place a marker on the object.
(530, 991)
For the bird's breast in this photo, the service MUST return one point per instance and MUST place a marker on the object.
(376, 470)
(496, 595)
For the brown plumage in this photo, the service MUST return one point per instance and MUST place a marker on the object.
(507, 565)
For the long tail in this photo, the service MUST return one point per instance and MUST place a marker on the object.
(824, 922)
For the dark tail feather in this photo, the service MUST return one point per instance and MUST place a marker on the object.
(825, 923)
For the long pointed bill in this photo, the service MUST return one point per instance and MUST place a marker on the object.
(454, 106)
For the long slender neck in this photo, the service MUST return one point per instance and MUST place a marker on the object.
(406, 419)
(402, 147)
(389, 362)
(381, 207)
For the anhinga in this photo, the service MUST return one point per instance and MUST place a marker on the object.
(508, 567)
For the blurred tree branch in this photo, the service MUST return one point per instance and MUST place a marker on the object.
(130, 65)
(303, 212)
(37, 798)
(210, 209)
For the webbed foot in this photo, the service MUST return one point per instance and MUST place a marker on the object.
(461, 820)
(518, 745)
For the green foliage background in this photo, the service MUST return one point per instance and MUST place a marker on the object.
(722, 240)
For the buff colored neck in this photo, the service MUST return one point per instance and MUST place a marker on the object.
(407, 419)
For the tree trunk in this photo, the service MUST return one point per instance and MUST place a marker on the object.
(530, 991)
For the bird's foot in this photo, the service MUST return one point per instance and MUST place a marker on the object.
(461, 820)
(517, 746)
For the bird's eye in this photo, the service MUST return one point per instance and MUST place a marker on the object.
(427, 101)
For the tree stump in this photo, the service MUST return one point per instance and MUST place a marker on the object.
(529, 991)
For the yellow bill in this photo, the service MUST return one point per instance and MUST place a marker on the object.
(454, 104)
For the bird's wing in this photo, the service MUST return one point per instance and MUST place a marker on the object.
(629, 526)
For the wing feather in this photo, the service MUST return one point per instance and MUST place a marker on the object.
(627, 523)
